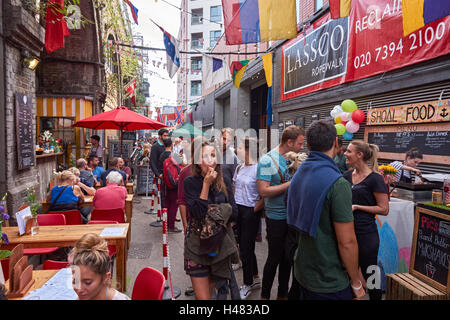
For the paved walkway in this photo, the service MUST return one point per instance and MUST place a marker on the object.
(146, 250)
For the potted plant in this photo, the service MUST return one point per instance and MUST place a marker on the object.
(34, 207)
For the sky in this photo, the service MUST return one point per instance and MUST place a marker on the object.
(162, 91)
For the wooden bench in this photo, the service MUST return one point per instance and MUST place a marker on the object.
(405, 286)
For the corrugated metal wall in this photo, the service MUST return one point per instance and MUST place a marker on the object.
(400, 97)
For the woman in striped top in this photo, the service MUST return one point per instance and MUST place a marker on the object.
(412, 159)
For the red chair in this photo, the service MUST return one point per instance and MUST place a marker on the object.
(5, 268)
(54, 265)
(112, 249)
(47, 220)
(109, 215)
(72, 216)
(149, 285)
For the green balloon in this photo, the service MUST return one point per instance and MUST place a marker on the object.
(349, 105)
(340, 129)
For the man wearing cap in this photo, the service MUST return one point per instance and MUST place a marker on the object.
(96, 149)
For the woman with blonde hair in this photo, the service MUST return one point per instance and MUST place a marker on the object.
(89, 190)
(66, 194)
(91, 269)
(369, 198)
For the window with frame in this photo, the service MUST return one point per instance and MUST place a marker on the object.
(197, 16)
(215, 13)
(197, 40)
(214, 37)
(196, 88)
(60, 127)
(196, 63)
(318, 4)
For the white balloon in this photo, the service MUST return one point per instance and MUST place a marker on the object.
(345, 116)
(337, 110)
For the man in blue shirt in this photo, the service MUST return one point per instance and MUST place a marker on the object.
(271, 186)
(92, 164)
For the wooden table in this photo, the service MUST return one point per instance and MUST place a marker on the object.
(67, 235)
(129, 187)
(40, 277)
(88, 203)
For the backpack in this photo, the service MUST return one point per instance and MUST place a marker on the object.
(171, 172)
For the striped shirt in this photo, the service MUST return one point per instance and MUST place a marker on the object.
(398, 165)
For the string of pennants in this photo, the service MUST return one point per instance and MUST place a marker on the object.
(117, 49)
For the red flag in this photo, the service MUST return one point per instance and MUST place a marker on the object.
(131, 87)
(55, 26)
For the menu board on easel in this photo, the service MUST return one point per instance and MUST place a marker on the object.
(24, 131)
(430, 253)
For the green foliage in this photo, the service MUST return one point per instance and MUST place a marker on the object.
(30, 198)
(5, 254)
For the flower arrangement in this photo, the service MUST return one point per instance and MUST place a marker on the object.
(388, 172)
(3, 217)
(51, 141)
(31, 200)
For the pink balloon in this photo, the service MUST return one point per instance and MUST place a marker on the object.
(358, 116)
(345, 116)
(352, 127)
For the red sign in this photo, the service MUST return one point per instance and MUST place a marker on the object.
(368, 42)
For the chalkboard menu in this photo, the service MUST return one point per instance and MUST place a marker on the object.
(114, 148)
(24, 131)
(144, 180)
(429, 142)
(430, 254)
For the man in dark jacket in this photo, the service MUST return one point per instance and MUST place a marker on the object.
(155, 158)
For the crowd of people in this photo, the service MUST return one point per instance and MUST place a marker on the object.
(319, 209)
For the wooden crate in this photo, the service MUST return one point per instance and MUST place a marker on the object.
(404, 286)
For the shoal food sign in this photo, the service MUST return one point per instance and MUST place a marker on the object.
(424, 112)
(368, 42)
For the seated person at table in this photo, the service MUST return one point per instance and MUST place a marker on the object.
(93, 166)
(91, 269)
(113, 166)
(87, 190)
(124, 168)
(66, 194)
(113, 195)
(86, 175)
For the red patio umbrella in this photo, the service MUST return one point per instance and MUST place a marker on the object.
(120, 118)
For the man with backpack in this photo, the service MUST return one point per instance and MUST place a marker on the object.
(171, 172)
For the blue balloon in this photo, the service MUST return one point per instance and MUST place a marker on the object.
(347, 135)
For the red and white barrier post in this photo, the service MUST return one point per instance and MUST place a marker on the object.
(153, 202)
(158, 222)
(170, 292)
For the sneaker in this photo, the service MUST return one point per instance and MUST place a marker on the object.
(236, 266)
(189, 291)
(256, 283)
(175, 230)
(245, 292)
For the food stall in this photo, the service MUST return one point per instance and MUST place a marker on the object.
(396, 129)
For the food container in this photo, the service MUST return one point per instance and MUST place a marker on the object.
(437, 196)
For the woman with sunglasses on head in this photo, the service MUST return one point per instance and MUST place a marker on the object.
(369, 198)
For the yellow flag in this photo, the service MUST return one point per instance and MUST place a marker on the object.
(412, 15)
(277, 19)
(238, 76)
(267, 62)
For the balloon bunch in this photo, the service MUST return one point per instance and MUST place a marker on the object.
(347, 118)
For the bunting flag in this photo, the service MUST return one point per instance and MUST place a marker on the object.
(340, 8)
(55, 26)
(180, 115)
(134, 10)
(131, 87)
(172, 52)
(418, 13)
(214, 71)
(267, 63)
(251, 21)
(237, 70)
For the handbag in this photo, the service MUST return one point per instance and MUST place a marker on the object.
(62, 206)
